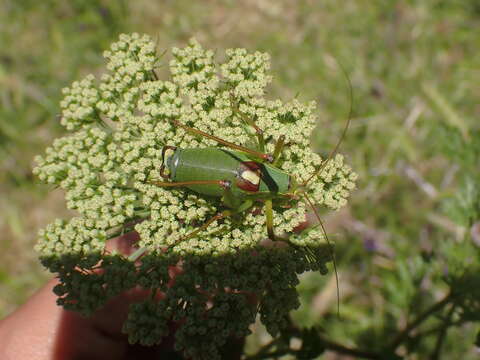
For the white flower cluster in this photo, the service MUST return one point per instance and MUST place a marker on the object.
(339, 181)
(194, 70)
(78, 105)
(131, 61)
(73, 237)
(247, 72)
(122, 123)
(108, 168)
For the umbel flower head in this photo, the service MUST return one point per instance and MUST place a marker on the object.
(108, 165)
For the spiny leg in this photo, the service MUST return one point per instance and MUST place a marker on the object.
(220, 215)
(258, 154)
(278, 150)
(226, 213)
(225, 184)
(261, 141)
(249, 121)
(269, 202)
(269, 216)
(228, 198)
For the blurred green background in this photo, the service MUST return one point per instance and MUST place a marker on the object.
(415, 70)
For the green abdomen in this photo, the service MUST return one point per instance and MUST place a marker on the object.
(204, 164)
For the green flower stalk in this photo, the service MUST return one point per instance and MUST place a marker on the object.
(108, 166)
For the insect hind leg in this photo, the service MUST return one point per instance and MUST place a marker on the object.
(249, 121)
(258, 154)
(221, 215)
(277, 153)
(218, 216)
(269, 216)
(260, 138)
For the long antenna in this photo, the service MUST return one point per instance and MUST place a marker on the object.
(330, 249)
(344, 132)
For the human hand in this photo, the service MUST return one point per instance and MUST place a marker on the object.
(42, 330)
